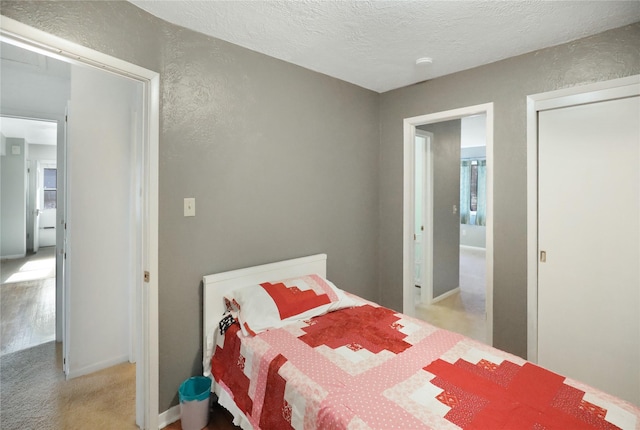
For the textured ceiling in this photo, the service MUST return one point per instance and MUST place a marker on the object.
(374, 44)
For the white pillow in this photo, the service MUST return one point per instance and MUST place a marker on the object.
(275, 304)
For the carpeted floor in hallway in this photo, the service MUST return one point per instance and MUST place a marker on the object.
(465, 311)
(35, 395)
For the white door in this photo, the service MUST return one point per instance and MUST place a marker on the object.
(418, 228)
(100, 186)
(423, 217)
(589, 244)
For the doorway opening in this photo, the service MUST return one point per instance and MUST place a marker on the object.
(450, 203)
(28, 267)
(144, 243)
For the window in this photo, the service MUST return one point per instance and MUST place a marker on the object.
(473, 187)
(473, 191)
(50, 188)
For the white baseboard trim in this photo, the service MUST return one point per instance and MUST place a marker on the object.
(445, 295)
(169, 416)
(98, 366)
(12, 256)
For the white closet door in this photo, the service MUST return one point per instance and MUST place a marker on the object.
(589, 229)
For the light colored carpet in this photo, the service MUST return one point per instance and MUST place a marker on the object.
(35, 395)
(464, 311)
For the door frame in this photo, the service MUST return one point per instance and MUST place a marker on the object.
(30, 38)
(409, 127)
(584, 94)
(59, 120)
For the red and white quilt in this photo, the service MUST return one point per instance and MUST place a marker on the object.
(368, 367)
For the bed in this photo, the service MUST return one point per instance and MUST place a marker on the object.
(342, 362)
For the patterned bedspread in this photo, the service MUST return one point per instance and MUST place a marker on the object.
(368, 367)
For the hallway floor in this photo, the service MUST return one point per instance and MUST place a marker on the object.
(464, 311)
(28, 301)
(36, 395)
(35, 392)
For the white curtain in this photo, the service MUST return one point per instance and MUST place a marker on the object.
(481, 214)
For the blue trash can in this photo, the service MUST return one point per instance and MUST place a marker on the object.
(194, 402)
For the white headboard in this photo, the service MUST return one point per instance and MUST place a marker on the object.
(217, 285)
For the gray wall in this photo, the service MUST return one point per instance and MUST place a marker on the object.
(13, 222)
(446, 194)
(282, 161)
(473, 235)
(42, 152)
(609, 55)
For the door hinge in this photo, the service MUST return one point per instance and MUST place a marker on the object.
(147, 276)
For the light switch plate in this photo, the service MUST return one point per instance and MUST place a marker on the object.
(189, 206)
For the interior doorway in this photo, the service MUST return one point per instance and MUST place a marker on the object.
(452, 286)
(459, 255)
(39, 138)
(28, 282)
(144, 241)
